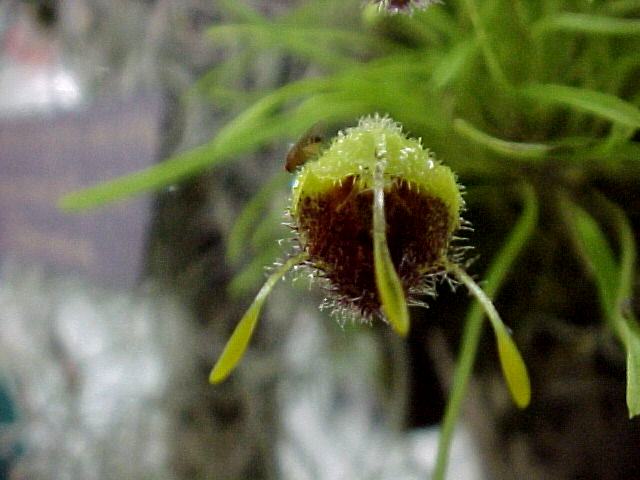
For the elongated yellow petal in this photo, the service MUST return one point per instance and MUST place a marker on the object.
(513, 369)
(390, 291)
(237, 344)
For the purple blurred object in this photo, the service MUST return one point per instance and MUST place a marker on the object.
(43, 157)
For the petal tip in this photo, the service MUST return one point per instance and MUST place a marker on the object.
(514, 370)
(401, 324)
(216, 376)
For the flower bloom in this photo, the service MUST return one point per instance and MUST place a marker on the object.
(374, 216)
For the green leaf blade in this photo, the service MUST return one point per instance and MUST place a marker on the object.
(624, 314)
(601, 104)
(252, 128)
(588, 24)
(499, 146)
(633, 372)
(614, 283)
(450, 66)
(243, 228)
(596, 253)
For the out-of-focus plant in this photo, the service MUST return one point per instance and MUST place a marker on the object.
(539, 93)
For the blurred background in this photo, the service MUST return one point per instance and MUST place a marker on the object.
(111, 318)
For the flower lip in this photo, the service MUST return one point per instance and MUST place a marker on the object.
(335, 230)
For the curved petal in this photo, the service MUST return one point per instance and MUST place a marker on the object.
(237, 344)
(513, 367)
(390, 291)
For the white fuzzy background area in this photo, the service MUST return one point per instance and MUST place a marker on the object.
(91, 371)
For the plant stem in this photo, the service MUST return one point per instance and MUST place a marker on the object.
(467, 355)
(478, 293)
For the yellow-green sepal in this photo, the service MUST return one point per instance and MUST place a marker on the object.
(513, 368)
(394, 304)
(388, 284)
(237, 345)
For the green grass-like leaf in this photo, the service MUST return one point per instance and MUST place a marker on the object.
(601, 104)
(249, 130)
(162, 175)
(499, 146)
(241, 11)
(241, 232)
(632, 343)
(597, 254)
(588, 24)
(621, 7)
(320, 45)
(450, 66)
(623, 309)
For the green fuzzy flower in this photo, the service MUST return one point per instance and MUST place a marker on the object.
(334, 213)
(375, 214)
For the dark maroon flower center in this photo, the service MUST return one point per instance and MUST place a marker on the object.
(335, 229)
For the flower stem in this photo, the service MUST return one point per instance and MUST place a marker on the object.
(466, 357)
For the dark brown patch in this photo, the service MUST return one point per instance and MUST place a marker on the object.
(335, 229)
(399, 3)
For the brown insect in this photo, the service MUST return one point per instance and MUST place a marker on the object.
(307, 147)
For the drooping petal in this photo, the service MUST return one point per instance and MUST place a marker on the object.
(513, 366)
(513, 369)
(237, 344)
(390, 291)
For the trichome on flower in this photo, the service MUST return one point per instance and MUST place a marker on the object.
(374, 216)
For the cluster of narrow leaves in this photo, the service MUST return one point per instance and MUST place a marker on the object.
(454, 73)
(614, 278)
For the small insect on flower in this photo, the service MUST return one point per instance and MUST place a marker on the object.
(306, 148)
(374, 215)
